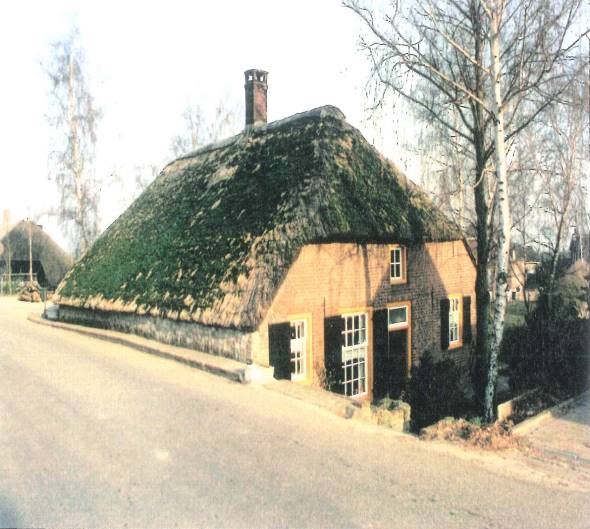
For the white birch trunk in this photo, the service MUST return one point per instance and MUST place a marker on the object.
(503, 208)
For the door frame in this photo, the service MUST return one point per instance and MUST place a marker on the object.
(306, 377)
(408, 325)
(303, 374)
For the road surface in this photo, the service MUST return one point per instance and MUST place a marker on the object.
(94, 434)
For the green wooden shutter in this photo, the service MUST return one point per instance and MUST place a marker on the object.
(467, 335)
(279, 347)
(333, 353)
(445, 306)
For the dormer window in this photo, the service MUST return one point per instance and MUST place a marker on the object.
(397, 264)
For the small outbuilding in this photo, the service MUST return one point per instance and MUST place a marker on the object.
(50, 262)
(294, 245)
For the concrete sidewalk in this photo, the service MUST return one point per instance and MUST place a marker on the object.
(337, 404)
(566, 437)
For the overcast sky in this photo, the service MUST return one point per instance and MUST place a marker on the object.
(146, 61)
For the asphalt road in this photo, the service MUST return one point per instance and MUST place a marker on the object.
(99, 435)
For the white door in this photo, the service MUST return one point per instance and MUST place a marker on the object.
(298, 350)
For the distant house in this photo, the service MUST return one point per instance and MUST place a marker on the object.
(295, 245)
(522, 274)
(50, 262)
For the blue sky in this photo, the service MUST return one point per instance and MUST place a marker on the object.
(146, 61)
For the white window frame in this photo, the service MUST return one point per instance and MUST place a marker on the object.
(401, 324)
(454, 320)
(354, 353)
(301, 361)
(397, 264)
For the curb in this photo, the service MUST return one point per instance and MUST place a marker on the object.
(556, 411)
(239, 374)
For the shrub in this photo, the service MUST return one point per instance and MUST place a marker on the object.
(521, 356)
(552, 350)
(435, 391)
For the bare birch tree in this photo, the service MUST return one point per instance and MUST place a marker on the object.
(74, 116)
(132, 182)
(526, 190)
(202, 128)
(446, 168)
(496, 64)
(559, 155)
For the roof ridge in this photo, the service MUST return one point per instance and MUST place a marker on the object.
(319, 112)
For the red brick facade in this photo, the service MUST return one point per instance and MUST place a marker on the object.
(338, 278)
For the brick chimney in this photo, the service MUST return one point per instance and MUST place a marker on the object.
(256, 86)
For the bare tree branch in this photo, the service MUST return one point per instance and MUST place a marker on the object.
(75, 117)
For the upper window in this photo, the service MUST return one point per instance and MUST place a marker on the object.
(454, 319)
(397, 264)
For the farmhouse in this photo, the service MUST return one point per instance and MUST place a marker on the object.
(50, 262)
(295, 245)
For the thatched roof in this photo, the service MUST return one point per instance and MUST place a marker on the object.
(211, 239)
(54, 260)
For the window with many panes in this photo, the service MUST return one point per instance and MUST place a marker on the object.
(298, 346)
(354, 354)
(397, 272)
(454, 315)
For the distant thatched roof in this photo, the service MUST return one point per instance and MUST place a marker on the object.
(211, 239)
(54, 260)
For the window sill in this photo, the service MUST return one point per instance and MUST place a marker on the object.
(455, 345)
(401, 281)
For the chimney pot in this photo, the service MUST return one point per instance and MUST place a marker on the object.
(255, 87)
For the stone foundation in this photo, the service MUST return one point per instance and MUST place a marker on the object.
(393, 414)
(230, 343)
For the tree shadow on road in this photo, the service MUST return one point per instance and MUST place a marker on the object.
(9, 516)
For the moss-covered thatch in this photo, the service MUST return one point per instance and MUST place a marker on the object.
(213, 236)
(52, 258)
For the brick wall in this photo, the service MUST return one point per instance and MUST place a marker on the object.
(330, 279)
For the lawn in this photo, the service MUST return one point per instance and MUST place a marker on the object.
(515, 313)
